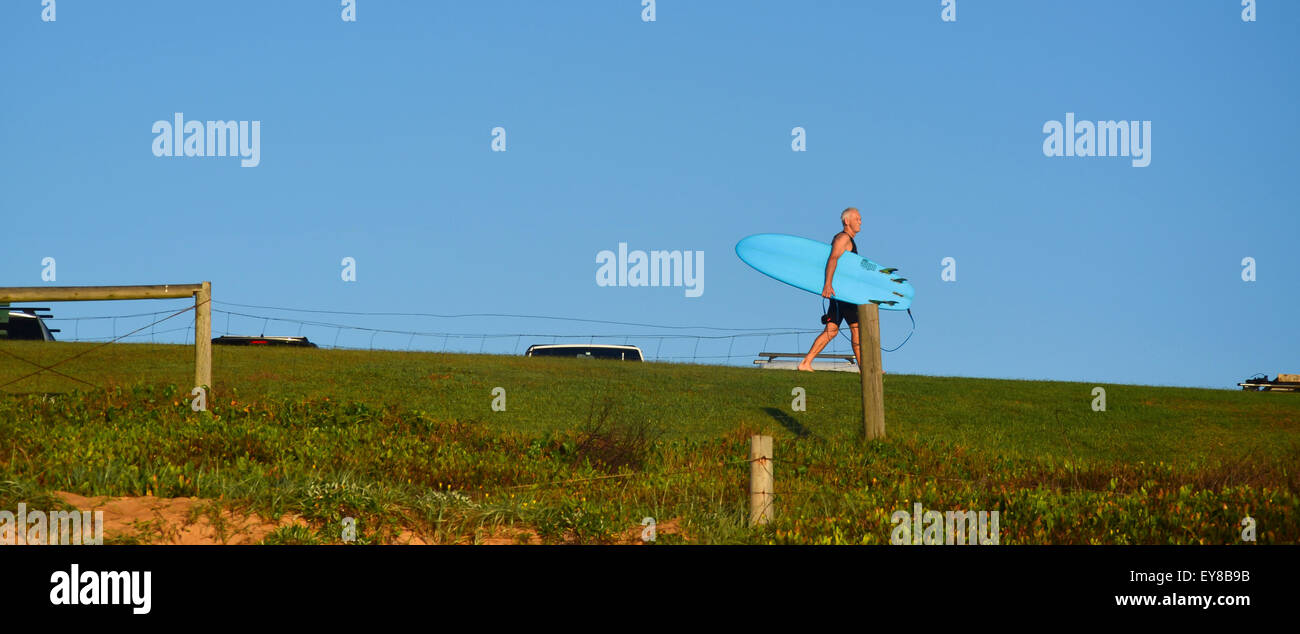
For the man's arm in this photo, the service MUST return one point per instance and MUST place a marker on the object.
(838, 247)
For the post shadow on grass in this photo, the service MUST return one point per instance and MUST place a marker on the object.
(790, 424)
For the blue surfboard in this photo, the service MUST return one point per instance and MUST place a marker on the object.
(801, 263)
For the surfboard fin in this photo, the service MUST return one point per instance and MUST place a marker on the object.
(900, 280)
(879, 302)
(887, 271)
(897, 293)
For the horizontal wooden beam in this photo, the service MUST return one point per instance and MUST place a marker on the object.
(86, 293)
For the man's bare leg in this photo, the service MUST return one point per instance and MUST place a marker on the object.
(857, 346)
(818, 344)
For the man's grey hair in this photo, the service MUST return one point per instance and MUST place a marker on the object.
(844, 215)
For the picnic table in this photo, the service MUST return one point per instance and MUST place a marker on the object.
(835, 362)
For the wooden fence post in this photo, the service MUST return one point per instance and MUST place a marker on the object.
(873, 387)
(760, 480)
(203, 338)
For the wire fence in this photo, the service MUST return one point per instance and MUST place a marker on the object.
(682, 346)
(50, 368)
(657, 342)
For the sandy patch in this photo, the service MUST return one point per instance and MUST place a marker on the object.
(187, 521)
(630, 537)
(196, 521)
(408, 538)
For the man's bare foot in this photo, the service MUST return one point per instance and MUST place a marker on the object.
(804, 366)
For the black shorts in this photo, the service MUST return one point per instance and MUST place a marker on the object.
(841, 311)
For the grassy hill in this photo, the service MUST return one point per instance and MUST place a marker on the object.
(408, 443)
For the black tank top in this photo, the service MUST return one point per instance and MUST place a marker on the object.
(853, 245)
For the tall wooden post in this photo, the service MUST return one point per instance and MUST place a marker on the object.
(760, 480)
(203, 337)
(873, 387)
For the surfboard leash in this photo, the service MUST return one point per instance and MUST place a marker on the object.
(826, 309)
(909, 334)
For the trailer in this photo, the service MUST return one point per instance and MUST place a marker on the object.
(1283, 383)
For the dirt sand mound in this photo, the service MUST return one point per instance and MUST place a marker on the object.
(188, 521)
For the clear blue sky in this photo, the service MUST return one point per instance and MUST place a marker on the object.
(675, 134)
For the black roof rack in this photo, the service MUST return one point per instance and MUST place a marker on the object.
(27, 310)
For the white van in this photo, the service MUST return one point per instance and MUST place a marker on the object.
(586, 351)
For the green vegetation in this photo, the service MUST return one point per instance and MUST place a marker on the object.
(408, 444)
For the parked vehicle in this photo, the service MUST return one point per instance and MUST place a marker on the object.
(25, 323)
(586, 351)
(1283, 383)
(240, 340)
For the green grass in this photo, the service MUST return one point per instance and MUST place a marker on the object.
(409, 442)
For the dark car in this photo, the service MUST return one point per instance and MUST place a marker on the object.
(25, 323)
(586, 351)
(239, 340)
